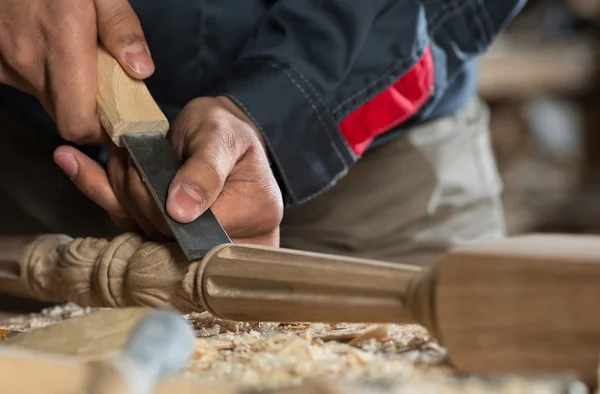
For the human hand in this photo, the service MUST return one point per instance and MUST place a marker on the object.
(48, 48)
(225, 168)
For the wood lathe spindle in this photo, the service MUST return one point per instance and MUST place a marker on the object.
(528, 304)
(522, 304)
(252, 283)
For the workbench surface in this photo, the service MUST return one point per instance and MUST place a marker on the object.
(275, 356)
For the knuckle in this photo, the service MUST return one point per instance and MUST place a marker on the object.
(76, 129)
(208, 181)
(213, 122)
(268, 212)
(120, 22)
(226, 132)
(273, 210)
(231, 142)
(216, 174)
(215, 162)
(22, 59)
(69, 16)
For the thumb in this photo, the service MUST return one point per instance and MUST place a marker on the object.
(120, 31)
(201, 178)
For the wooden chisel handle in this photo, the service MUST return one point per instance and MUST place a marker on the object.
(255, 283)
(124, 104)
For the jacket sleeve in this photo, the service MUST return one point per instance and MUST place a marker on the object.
(310, 67)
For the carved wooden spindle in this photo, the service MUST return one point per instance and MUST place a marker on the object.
(523, 304)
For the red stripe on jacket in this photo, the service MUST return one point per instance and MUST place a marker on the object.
(391, 107)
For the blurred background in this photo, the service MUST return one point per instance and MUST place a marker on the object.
(541, 80)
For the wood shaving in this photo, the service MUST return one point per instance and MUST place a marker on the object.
(276, 356)
(379, 333)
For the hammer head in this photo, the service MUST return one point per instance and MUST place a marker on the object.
(524, 304)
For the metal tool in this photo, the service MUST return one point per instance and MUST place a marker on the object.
(158, 164)
(132, 119)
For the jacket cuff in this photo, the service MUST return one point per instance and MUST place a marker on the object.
(306, 149)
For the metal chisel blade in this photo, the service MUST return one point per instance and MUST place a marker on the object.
(157, 163)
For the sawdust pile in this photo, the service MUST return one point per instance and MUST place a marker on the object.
(399, 358)
(272, 355)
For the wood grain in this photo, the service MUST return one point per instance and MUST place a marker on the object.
(125, 104)
(249, 282)
(523, 304)
(91, 337)
(28, 372)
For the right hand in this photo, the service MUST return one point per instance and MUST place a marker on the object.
(48, 48)
(225, 168)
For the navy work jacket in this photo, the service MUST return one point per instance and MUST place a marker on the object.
(324, 80)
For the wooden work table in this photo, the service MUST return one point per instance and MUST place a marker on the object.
(287, 358)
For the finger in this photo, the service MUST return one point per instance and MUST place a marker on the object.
(252, 189)
(72, 72)
(118, 175)
(121, 33)
(90, 178)
(212, 151)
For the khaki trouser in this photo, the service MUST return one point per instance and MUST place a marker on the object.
(410, 200)
(406, 201)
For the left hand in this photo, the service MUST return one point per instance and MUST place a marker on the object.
(225, 168)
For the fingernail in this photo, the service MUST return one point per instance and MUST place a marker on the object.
(187, 203)
(137, 58)
(67, 163)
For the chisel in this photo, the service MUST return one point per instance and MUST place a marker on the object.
(132, 119)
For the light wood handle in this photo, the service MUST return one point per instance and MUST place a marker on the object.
(33, 373)
(124, 104)
(54, 374)
(253, 283)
